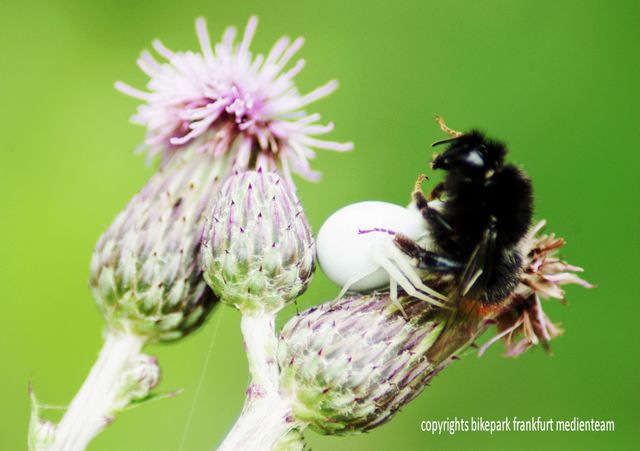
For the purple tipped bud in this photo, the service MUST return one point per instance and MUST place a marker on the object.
(258, 251)
(146, 269)
(350, 365)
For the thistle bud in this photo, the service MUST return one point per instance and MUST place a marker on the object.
(349, 365)
(258, 250)
(146, 271)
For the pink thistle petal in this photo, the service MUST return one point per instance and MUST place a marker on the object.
(310, 119)
(318, 93)
(223, 94)
(149, 65)
(159, 47)
(204, 39)
(276, 51)
(228, 37)
(295, 70)
(520, 348)
(288, 54)
(131, 91)
(317, 129)
(248, 34)
(498, 336)
(329, 145)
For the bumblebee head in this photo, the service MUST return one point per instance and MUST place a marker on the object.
(471, 153)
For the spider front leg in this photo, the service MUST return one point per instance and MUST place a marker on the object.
(409, 271)
(403, 274)
(400, 270)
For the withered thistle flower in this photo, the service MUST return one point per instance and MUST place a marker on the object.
(522, 323)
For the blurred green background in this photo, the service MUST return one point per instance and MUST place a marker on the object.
(558, 80)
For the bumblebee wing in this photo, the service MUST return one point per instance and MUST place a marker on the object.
(473, 281)
(477, 271)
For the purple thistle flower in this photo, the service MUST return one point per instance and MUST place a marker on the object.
(223, 99)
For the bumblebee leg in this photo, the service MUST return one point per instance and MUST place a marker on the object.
(435, 219)
(441, 228)
(417, 195)
(418, 184)
(436, 192)
(419, 199)
(430, 214)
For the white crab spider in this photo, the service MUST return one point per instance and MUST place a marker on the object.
(356, 251)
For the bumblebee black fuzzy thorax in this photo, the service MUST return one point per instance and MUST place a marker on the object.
(484, 212)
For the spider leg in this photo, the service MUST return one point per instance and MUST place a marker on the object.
(353, 280)
(402, 280)
(393, 295)
(410, 273)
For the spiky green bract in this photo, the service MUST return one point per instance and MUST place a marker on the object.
(291, 441)
(141, 376)
(41, 432)
(258, 251)
(121, 378)
(146, 271)
(349, 365)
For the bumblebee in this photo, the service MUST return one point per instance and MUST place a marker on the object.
(477, 218)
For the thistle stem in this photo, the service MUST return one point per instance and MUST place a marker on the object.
(265, 421)
(260, 343)
(92, 408)
(263, 425)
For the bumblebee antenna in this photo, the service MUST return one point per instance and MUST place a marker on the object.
(449, 131)
(444, 141)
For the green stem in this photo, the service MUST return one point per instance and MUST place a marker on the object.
(266, 422)
(92, 408)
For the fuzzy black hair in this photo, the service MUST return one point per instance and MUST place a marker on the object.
(482, 197)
